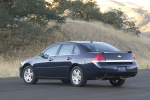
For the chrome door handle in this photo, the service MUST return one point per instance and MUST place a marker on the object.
(69, 58)
(50, 59)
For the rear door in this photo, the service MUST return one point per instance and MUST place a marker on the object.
(64, 60)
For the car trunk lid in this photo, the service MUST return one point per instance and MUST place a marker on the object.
(114, 57)
(118, 56)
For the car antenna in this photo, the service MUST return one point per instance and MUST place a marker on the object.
(92, 41)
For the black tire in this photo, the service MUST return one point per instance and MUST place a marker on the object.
(80, 79)
(65, 81)
(117, 82)
(29, 76)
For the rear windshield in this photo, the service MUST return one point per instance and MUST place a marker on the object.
(100, 47)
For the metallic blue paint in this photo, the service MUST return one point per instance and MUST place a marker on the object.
(59, 67)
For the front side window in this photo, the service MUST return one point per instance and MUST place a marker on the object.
(51, 51)
(66, 49)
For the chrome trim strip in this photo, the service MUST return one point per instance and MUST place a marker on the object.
(114, 61)
(119, 61)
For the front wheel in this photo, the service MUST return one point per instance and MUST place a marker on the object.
(77, 77)
(117, 82)
(29, 76)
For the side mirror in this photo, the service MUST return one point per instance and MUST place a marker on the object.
(42, 55)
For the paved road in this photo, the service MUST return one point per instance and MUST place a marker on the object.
(137, 88)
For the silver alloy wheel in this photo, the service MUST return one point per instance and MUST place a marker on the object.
(115, 81)
(28, 75)
(76, 76)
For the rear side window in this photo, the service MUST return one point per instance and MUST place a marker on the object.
(66, 49)
(76, 50)
(100, 47)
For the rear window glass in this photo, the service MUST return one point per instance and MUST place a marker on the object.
(100, 47)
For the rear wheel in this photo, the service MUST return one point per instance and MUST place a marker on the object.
(77, 77)
(29, 76)
(117, 82)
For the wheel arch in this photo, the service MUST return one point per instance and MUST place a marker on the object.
(71, 67)
(26, 64)
(83, 79)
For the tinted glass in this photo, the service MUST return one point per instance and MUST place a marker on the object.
(76, 50)
(52, 51)
(100, 47)
(66, 49)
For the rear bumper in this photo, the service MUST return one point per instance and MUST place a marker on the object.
(106, 71)
(113, 73)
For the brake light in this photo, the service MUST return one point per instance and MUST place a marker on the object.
(133, 57)
(99, 57)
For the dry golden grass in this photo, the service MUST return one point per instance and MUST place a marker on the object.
(16, 48)
(80, 30)
(14, 52)
(9, 68)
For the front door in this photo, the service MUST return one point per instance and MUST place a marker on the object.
(45, 65)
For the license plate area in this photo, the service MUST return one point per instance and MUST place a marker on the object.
(121, 69)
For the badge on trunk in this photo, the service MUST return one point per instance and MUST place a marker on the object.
(119, 56)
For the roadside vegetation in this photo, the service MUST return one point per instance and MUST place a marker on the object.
(17, 48)
(25, 31)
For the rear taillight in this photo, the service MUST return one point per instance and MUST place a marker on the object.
(99, 57)
(133, 57)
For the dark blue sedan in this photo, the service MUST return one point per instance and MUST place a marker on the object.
(79, 61)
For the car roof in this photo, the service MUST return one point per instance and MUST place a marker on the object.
(80, 42)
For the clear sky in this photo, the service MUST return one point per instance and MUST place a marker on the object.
(138, 2)
(145, 3)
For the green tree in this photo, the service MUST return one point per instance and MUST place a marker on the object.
(114, 18)
(79, 10)
(89, 11)
(61, 5)
(32, 13)
(120, 21)
(130, 27)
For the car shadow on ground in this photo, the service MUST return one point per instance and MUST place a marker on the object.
(88, 85)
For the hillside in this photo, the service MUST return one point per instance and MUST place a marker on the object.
(80, 30)
(137, 11)
(17, 48)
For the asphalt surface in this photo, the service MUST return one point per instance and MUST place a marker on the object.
(137, 88)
